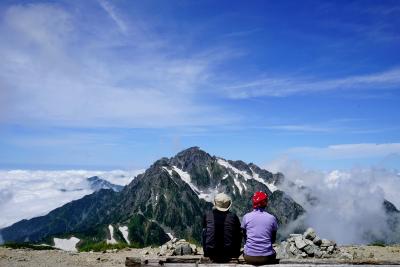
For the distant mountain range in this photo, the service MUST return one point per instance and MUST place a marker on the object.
(96, 184)
(169, 198)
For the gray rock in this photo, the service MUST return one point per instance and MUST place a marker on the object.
(308, 242)
(310, 234)
(295, 235)
(331, 249)
(294, 250)
(194, 248)
(317, 240)
(325, 243)
(183, 248)
(309, 249)
(346, 256)
(282, 252)
(318, 253)
(300, 242)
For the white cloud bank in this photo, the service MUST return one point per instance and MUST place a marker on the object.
(25, 194)
(349, 202)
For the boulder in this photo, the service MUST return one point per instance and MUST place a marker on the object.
(317, 240)
(183, 248)
(318, 253)
(177, 247)
(326, 243)
(309, 234)
(300, 243)
(309, 249)
(305, 245)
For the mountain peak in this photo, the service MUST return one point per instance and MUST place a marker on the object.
(96, 184)
(192, 150)
(190, 157)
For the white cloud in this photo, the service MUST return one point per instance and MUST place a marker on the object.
(25, 194)
(349, 202)
(345, 151)
(283, 86)
(114, 16)
(56, 70)
(300, 128)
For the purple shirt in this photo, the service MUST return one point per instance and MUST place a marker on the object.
(259, 226)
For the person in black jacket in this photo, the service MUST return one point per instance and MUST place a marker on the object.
(222, 235)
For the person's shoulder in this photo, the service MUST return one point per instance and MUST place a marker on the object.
(208, 213)
(249, 213)
(232, 214)
(269, 215)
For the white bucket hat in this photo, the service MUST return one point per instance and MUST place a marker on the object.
(222, 202)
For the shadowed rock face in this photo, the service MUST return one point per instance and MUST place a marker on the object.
(170, 197)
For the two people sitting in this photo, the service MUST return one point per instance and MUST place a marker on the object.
(222, 232)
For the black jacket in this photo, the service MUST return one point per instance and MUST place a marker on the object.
(222, 235)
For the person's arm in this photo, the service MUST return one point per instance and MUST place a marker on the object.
(273, 237)
(243, 226)
(274, 230)
(238, 236)
(203, 235)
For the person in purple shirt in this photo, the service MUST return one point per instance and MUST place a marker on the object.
(259, 229)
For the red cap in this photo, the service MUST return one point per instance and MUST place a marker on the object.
(259, 200)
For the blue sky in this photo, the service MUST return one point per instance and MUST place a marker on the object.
(119, 84)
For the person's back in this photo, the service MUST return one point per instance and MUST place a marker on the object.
(221, 231)
(260, 229)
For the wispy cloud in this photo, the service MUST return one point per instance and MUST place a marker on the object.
(53, 73)
(348, 151)
(236, 34)
(300, 128)
(110, 9)
(285, 86)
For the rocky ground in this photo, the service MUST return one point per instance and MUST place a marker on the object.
(297, 248)
(28, 257)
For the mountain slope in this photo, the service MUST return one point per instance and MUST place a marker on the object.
(170, 197)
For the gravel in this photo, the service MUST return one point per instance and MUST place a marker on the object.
(41, 258)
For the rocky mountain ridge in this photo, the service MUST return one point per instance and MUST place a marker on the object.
(168, 199)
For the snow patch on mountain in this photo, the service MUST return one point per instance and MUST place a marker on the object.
(186, 178)
(238, 184)
(111, 240)
(168, 170)
(206, 195)
(124, 232)
(66, 244)
(238, 172)
(272, 187)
